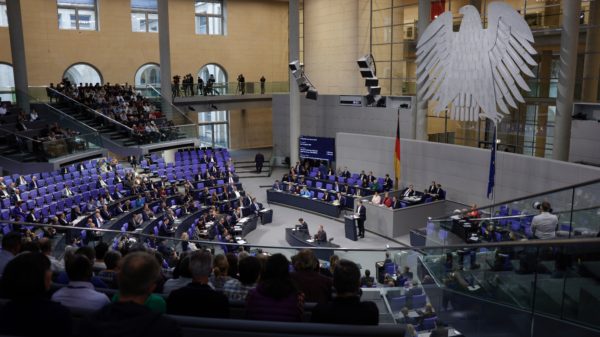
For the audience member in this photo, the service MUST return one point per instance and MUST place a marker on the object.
(544, 224)
(11, 246)
(109, 274)
(26, 281)
(220, 273)
(198, 298)
(129, 316)
(249, 270)
(275, 298)
(346, 307)
(80, 293)
(316, 287)
(367, 281)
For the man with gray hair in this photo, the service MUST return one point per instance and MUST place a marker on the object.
(129, 316)
(185, 301)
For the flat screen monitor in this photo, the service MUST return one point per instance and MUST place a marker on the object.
(317, 148)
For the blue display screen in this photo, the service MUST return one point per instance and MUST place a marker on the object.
(317, 148)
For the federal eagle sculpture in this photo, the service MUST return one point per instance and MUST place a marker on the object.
(475, 72)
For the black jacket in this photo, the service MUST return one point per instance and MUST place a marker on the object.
(131, 320)
(346, 311)
(198, 300)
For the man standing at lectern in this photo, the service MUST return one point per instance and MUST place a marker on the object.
(361, 212)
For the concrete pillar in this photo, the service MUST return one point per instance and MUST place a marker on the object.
(17, 47)
(591, 64)
(164, 46)
(421, 118)
(569, 39)
(294, 54)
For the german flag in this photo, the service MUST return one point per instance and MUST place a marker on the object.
(397, 151)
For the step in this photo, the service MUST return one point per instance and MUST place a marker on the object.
(252, 175)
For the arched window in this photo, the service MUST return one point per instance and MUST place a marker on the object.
(7, 82)
(83, 73)
(219, 73)
(148, 74)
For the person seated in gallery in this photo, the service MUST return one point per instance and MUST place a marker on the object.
(387, 201)
(376, 199)
(305, 192)
(388, 183)
(409, 192)
(321, 235)
(325, 196)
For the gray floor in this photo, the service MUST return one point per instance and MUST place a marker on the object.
(273, 234)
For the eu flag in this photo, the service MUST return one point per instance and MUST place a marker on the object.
(491, 179)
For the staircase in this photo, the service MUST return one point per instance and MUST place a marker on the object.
(109, 130)
(247, 169)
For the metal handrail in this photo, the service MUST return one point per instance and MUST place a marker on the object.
(553, 242)
(68, 116)
(92, 110)
(171, 104)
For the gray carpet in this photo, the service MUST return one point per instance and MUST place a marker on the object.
(273, 234)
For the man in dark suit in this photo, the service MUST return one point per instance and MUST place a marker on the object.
(80, 167)
(16, 197)
(321, 235)
(396, 203)
(345, 173)
(388, 183)
(185, 301)
(361, 211)
(255, 206)
(4, 193)
(408, 192)
(302, 226)
(259, 159)
(33, 185)
(31, 217)
(277, 186)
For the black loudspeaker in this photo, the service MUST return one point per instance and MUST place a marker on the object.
(372, 82)
(294, 65)
(366, 73)
(312, 94)
(374, 91)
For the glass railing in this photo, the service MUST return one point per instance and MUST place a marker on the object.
(469, 287)
(30, 145)
(577, 208)
(232, 88)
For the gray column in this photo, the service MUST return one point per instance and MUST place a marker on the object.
(421, 118)
(164, 46)
(294, 54)
(566, 78)
(591, 64)
(17, 47)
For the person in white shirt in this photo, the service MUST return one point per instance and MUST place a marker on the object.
(3, 109)
(80, 292)
(376, 199)
(544, 224)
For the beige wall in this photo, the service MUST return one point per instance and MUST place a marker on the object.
(331, 45)
(250, 128)
(255, 43)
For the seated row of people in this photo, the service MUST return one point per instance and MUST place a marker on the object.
(266, 285)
